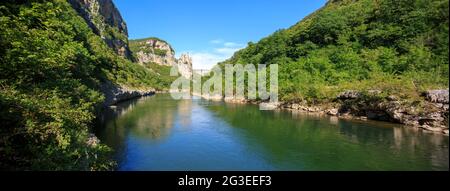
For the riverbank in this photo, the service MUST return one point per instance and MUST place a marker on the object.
(162, 133)
(429, 115)
(115, 94)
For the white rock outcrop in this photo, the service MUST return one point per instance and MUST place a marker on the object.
(153, 50)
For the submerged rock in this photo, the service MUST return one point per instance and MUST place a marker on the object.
(433, 129)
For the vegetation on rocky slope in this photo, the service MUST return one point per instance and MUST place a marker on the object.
(398, 47)
(51, 68)
(388, 53)
(52, 65)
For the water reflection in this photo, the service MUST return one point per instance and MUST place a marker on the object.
(149, 118)
(158, 133)
(311, 142)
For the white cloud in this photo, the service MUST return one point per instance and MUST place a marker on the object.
(232, 44)
(216, 41)
(226, 50)
(207, 59)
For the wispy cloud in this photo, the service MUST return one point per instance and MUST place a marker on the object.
(227, 50)
(216, 41)
(232, 44)
(206, 60)
(222, 50)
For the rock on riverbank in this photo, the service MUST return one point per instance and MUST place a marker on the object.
(115, 94)
(432, 115)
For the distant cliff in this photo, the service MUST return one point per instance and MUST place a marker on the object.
(105, 20)
(156, 51)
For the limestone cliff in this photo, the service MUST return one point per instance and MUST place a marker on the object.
(184, 64)
(153, 50)
(157, 51)
(105, 20)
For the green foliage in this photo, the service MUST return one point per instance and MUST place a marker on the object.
(160, 52)
(51, 67)
(141, 45)
(164, 79)
(396, 46)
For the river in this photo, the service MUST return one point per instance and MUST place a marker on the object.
(159, 133)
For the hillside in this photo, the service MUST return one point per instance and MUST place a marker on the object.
(397, 46)
(388, 51)
(53, 64)
(152, 50)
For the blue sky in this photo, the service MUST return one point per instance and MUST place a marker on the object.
(211, 30)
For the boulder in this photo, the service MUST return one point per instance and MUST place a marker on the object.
(333, 112)
(349, 94)
(437, 96)
(269, 105)
(395, 111)
(295, 106)
(433, 119)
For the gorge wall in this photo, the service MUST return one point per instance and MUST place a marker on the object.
(156, 51)
(105, 20)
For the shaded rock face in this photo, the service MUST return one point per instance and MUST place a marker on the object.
(157, 51)
(115, 94)
(184, 64)
(105, 20)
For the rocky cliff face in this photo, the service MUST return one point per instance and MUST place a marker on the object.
(115, 94)
(105, 20)
(153, 50)
(184, 64)
(156, 51)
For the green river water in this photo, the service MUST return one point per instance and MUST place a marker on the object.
(159, 133)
